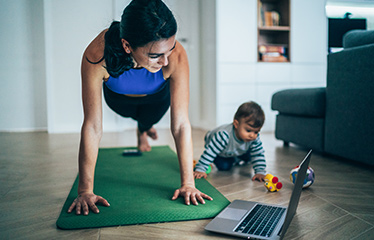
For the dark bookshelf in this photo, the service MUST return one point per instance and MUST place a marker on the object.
(273, 31)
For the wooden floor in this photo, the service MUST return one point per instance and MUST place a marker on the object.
(38, 169)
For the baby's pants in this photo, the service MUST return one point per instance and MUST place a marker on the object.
(226, 163)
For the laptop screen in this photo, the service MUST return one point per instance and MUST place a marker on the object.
(292, 205)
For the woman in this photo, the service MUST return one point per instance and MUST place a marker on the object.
(142, 70)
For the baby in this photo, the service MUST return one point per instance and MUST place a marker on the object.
(236, 142)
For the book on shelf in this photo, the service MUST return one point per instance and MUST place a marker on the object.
(272, 53)
(280, 58)
(260, 14)
(268, 18)
(272, 48)
(271, 18)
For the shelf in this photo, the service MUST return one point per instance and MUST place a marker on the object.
(273, 42)
(274, 45)
(274, 28)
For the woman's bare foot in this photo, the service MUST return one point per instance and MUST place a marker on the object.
(152, 133)
(143, 143)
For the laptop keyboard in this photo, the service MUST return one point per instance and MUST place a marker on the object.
(261, 221)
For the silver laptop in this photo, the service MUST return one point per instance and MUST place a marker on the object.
(254, 220)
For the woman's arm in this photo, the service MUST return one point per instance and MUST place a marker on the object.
(92, 77)
(181, 127)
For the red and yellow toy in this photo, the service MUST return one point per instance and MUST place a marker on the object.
(272, 183)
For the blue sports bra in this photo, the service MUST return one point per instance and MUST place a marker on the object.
(137, 81)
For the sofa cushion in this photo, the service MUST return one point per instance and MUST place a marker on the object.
(303, 102)
(357, 38)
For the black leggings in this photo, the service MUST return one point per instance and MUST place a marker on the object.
(147, 110)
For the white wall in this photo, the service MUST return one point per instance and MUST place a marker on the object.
(188, 18)
(69, 25)
(22, 66)
(208, 69)
(236, 56)
(45, 39)
(41, 44)
(241, 78)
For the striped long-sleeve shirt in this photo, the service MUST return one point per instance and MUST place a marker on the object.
(223, 142)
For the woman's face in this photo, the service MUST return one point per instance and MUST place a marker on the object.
(152, 56)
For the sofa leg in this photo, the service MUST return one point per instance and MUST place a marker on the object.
(286, 144)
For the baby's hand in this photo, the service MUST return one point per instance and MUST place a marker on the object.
(259, 177)
(199, 175)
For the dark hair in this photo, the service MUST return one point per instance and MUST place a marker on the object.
(142, 22)
(253, 112)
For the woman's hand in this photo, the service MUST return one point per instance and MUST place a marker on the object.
(85, 201)
(191, 194)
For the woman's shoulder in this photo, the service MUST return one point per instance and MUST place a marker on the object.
(93, 62)
(179, 54)
(178, 59)
(95, 50)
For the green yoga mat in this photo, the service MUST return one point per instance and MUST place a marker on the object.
(139, 190)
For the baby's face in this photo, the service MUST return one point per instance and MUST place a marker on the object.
(244, 130)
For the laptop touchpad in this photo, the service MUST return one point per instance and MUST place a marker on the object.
(232, 213)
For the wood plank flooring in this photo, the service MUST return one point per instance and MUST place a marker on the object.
(37, 170)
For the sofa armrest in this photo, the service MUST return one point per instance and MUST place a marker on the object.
(303, 102)
(350, 104)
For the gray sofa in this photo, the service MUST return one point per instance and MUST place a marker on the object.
(338, 119)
